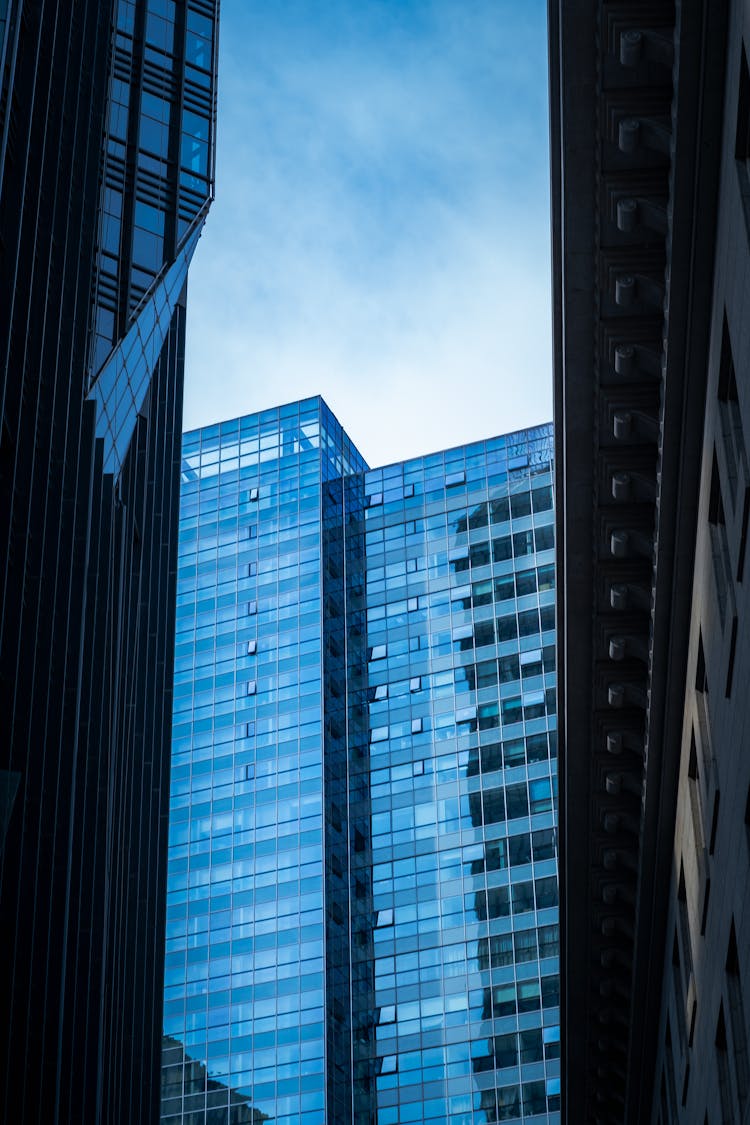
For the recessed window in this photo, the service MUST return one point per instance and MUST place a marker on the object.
(695, 800)
(742, 145)
(743, 535)
(714, 823)
(733, 439)
(679, 994)
(737, 1021)
(701, 678)
(706, 900)
(701, 699)
(722, 566)
(722, 1066)
(732, 654)
(684, 924)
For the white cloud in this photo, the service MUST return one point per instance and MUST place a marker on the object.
(377, 239)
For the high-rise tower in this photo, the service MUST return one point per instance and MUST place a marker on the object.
(362, 906)
(106, 166)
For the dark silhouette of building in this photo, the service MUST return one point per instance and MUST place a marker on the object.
(106, 139)
(650, 124)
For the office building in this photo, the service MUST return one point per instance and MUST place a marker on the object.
(362, 913)
(106, 166)
(651, 260)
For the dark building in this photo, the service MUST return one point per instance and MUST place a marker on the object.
(650, 122)
(106, 166)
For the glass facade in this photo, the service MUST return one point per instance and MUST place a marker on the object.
(154, 195)
(158, 155)
(362, 913)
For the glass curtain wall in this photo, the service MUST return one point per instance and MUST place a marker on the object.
(247, 924)
(362, 916)
(461, 682)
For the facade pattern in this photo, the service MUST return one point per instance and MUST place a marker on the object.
(97, 227)
(650, 115)
(362, 906)
(703, 1058)
(154, 194)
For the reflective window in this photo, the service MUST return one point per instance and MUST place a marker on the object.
(362, 884)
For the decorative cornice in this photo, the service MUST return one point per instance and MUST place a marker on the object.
(624, 134)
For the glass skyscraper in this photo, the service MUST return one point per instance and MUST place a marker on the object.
(362, 909)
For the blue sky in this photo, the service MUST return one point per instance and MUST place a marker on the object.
(380, 234)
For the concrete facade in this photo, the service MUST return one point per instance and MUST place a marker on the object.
(702, 1071)
(650, 109)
